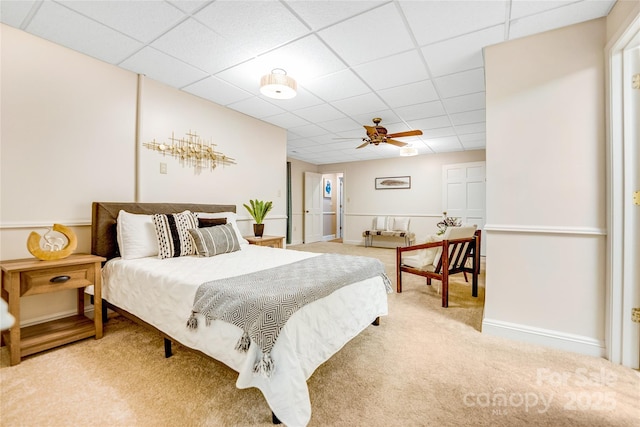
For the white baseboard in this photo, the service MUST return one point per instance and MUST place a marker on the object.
(545, 337)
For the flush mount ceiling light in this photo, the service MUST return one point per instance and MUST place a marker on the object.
(278, 85)
(408, 151)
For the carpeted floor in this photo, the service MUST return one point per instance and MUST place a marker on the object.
(424, 365)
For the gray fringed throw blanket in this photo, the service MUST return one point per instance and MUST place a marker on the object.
(260, 303)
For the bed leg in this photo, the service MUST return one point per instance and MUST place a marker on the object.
(167, 348)
(275, 419)
(104, 311)
(376, 322)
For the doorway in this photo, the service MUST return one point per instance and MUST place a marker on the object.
(623, 180)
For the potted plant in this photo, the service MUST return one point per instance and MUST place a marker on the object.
(447, 221)
(258, 210)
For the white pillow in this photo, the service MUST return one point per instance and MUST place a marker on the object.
(231, 219)
(453, 233)
(380, 223)
(136, 235)
(399, 224)
(424, 257)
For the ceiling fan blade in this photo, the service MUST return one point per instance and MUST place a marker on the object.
(371, 131)
(364, 144)
(396, 143)
(408, 133)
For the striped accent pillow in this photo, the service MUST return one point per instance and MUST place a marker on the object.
(220, 239)
(172, 232)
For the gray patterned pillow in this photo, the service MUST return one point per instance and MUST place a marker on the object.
(172, 231)
(220, 239)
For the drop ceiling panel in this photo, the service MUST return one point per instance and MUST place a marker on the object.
(143, 21)
(471, 128)
(319, 14)
(446, 144)
(439, 132)
(360, 104)
(340, 85)
(256, 107)
(241, 21)
(15, 12)
(421, 111)
(340, 125)
(286, 120)
(195, 44)
(461, 53)
(521, 8)
(430, 123)
(162, 67)
(559, 17)
(468, 117)
(373, 35)
(464, 83)
(458, 104)
(433, 21)
(308, 131)
(81, 34)
(322, 112)
(217, 91)
(396, 70)
(410, 94)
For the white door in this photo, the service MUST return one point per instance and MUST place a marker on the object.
(312, 207)
(463, 194)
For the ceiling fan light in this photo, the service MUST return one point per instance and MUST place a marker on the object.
(408, 151)
(278, 85)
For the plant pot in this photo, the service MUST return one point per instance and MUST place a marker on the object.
(258, 229)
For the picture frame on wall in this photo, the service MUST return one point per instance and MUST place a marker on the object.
(327, 187)
(393, 182)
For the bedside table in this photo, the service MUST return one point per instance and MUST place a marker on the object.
(270, 241)
(31, 276)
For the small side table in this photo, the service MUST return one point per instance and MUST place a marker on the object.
(31, 276)
(270, 241)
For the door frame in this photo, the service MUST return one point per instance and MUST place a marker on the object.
(621, 335)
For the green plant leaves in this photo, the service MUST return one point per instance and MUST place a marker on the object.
(258, 209)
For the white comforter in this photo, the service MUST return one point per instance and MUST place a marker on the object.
(161, 292)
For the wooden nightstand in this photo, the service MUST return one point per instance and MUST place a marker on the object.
(31, 276)
(271, 241)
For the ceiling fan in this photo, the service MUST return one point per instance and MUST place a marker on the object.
(378, 134)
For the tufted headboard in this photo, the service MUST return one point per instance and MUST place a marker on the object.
(105, 214)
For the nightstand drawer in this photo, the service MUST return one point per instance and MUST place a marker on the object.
(41, 281)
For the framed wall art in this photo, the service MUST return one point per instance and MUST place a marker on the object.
(393, 182)
(327, 187)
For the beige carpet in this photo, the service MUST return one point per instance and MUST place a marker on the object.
(423, 366)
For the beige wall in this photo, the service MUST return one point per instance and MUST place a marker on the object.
(422, 202)
(546, 221)
(68, 138)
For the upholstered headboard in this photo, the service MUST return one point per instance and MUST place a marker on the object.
(105, 214)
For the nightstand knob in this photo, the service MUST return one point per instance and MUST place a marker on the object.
(59, 279)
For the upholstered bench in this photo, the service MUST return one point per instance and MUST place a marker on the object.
(394, 227)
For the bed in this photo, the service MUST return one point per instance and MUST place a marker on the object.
(160, 293)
